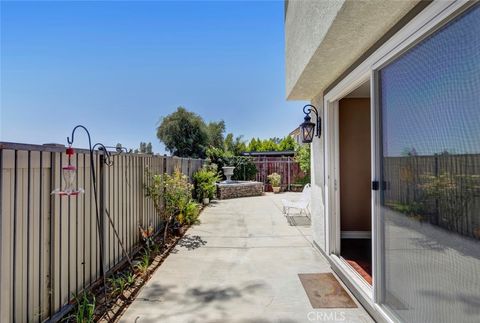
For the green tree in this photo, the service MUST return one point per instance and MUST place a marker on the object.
(245, 169)
(215, 131)
(148, 148)
(228, 142)
(287, 143)
(184, 134)
(268, 145)
(276, 140)
(234, 145)
(303, 158)
(254, 145)
(144, 148)
(239, 146)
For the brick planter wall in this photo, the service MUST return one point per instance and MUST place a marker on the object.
(239, 189)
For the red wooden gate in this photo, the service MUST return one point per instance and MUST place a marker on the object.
(287, 167)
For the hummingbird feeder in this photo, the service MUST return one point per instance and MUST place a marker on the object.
(69, 174)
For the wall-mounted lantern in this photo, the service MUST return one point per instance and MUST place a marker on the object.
(307, 127)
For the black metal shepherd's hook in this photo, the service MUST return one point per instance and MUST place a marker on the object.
(107, 161)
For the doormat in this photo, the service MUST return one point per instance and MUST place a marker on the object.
(324, 291)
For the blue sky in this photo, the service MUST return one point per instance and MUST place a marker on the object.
(117, 67)
(431, 102)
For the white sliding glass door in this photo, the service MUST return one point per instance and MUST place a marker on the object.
(430, 173)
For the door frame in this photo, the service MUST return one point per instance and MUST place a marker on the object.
(332, 166)
(422, 25)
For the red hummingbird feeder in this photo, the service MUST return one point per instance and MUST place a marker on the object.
(69, 174)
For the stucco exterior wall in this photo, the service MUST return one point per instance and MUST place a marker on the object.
(323, 38)
(306, 25)
(318, 182)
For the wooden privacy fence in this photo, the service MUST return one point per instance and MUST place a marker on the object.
(287, 167)
(49, 245)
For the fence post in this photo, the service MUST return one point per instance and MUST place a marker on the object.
(435, 218)
(288, 169)
(103, 219)
(165, 158)
(264, 173)
(140, 183)
(51, 238)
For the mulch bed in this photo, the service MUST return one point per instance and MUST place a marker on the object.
(110, 306)
(112, 310)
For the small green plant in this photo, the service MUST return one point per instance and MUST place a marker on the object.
(118, 284)
(84, 308)
(144, 263)
(156, 248)
(147, 236)
(189, 215)
(274, 179)
(130, 278)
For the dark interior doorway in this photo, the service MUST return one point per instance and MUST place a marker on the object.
(355, 181)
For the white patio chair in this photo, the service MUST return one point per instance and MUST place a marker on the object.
(301, 204)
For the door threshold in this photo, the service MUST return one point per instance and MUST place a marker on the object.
(353, 277)
(356, 235)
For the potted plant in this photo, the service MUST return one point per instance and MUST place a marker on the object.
(205, 184)
(207, 190)
(206, 200)
(275, 180)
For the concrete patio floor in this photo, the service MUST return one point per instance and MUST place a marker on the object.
(239, 265)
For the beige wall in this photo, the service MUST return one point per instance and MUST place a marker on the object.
(318, 181)
(355, 164)
(306, 25)
(323, 38)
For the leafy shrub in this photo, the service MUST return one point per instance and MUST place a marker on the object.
(303, 180)
(303, 158)
(174, 189)
(205, 183)
(189, 215)
(453, 193)
(245, 169)
(275, 179)
(211, 167)
(218, 157)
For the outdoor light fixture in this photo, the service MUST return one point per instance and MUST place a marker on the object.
(308, 127)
